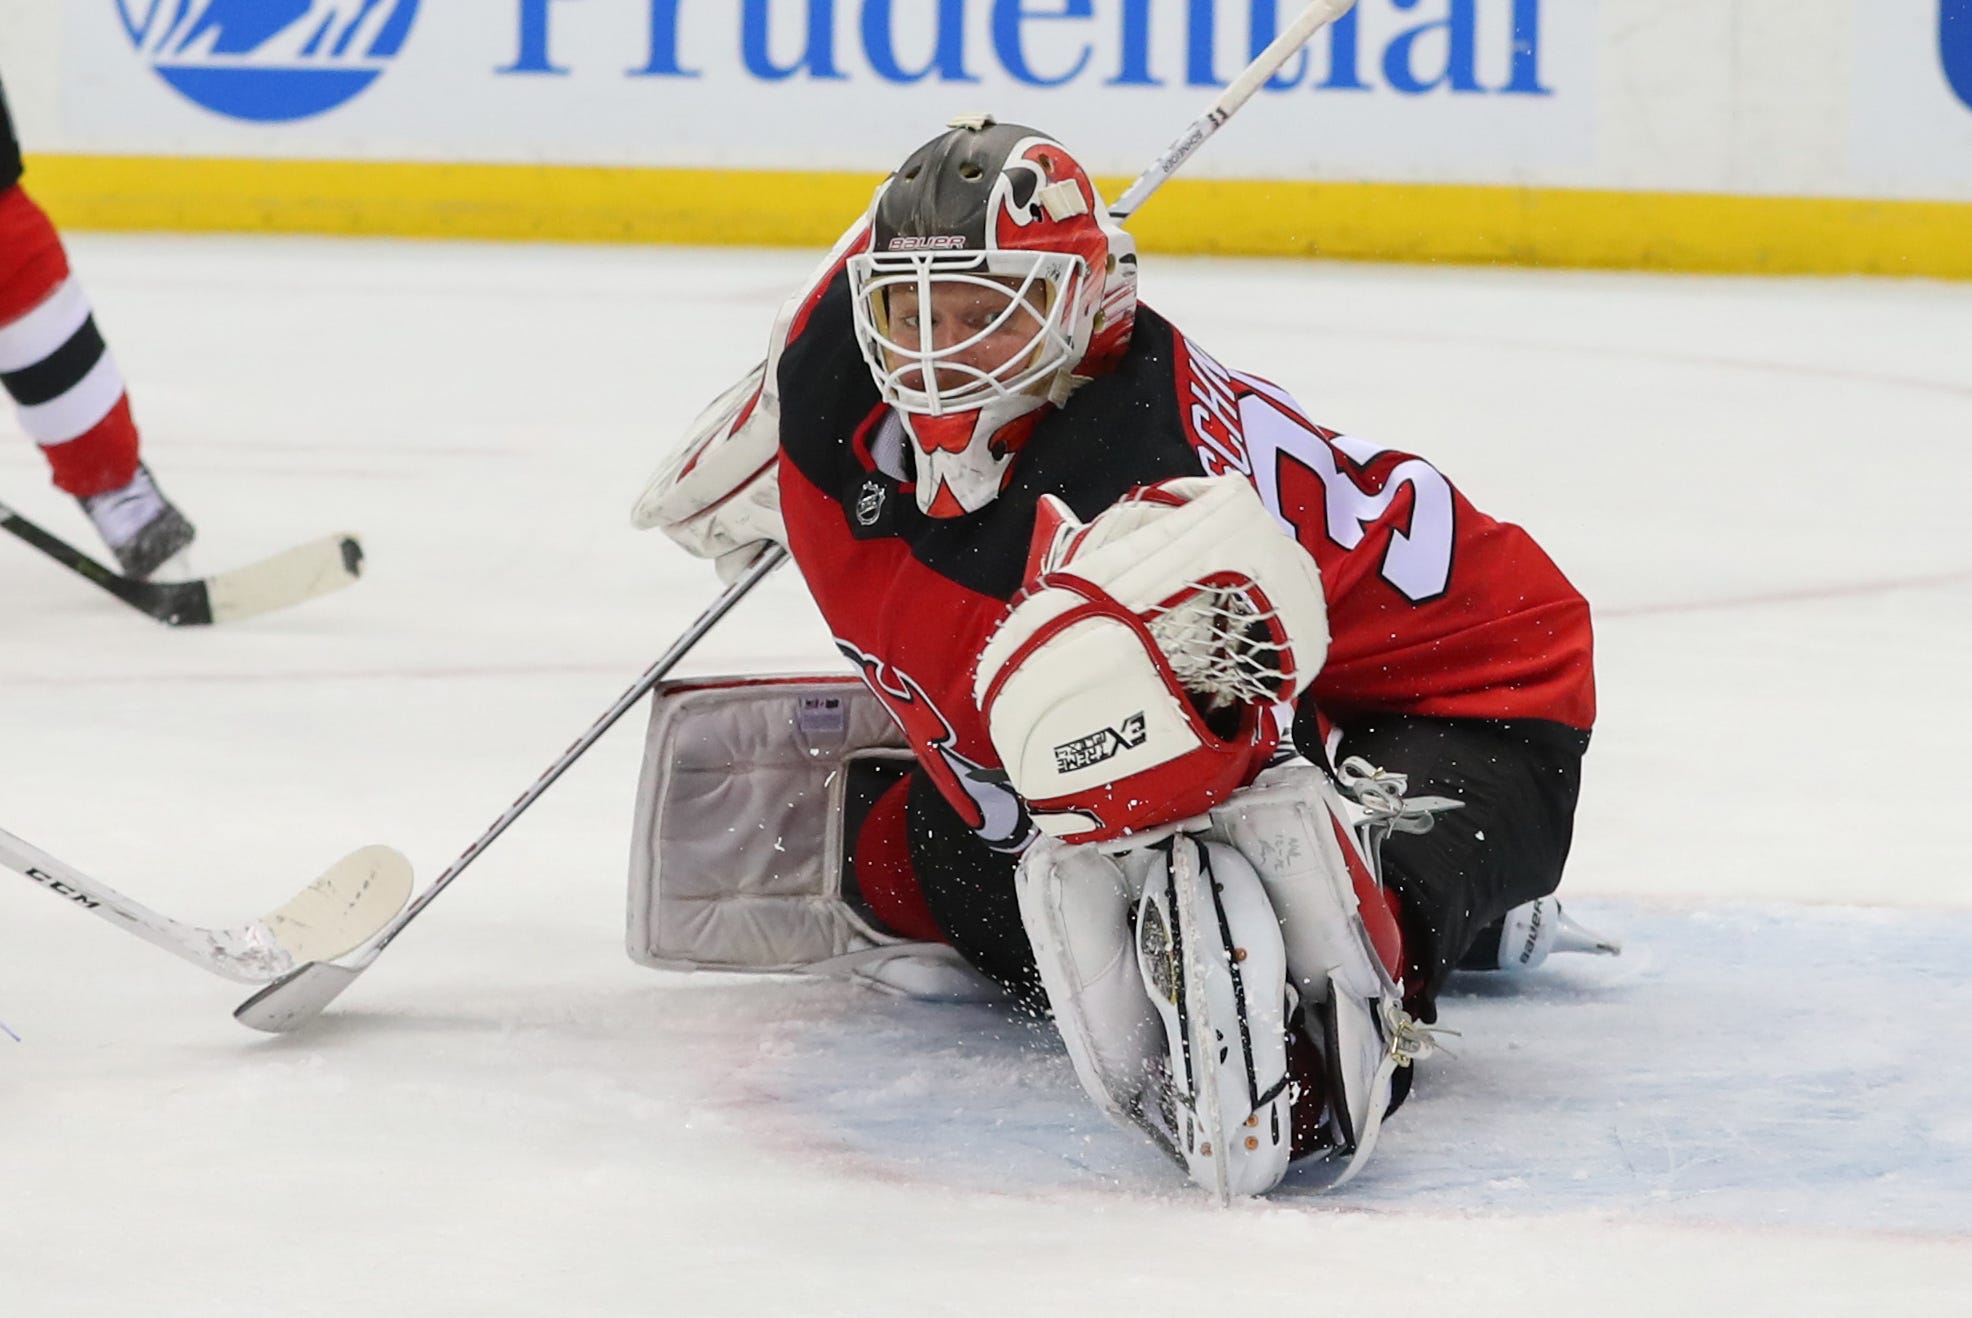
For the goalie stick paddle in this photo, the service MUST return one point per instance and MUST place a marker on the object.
(300, 995)
(301, 573)
(351, 900)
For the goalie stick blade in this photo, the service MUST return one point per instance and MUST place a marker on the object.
(302, 573)
(340, 911)
(296, 998)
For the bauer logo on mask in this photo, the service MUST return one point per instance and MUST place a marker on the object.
(268, 61)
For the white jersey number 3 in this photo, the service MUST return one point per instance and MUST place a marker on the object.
(1418, 563)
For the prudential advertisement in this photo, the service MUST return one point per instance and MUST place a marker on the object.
(1912, 126)
(1441, 90)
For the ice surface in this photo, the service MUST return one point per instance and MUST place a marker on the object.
(1761, 1108)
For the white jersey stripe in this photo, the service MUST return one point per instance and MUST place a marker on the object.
(61, 419)
(36, 335)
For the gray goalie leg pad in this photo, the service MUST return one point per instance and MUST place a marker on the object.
(737, 858)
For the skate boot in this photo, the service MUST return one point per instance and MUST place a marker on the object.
(1523, 938)
(140, 526)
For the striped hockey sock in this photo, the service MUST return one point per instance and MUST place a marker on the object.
(53, 360)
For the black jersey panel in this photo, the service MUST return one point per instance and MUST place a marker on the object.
(826, 392)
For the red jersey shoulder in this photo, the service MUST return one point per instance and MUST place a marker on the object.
(1434, 607)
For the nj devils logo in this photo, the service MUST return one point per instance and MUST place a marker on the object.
(982, 797)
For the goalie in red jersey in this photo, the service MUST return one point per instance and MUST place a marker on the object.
(1231, 735)
(69, 395)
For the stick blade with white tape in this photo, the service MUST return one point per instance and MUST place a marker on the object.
(345, 907)
(353, 902)
(350, 903)
(290, 577)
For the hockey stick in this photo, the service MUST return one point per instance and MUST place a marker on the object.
(289, 577)
(338, 911)
(300, 995)
(1313, 19)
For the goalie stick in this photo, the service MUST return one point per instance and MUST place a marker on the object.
(1318, 15)
(301, 573)
(346, 905)
(303, 994)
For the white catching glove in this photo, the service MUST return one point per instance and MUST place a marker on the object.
(1132, 685)
(719, 494)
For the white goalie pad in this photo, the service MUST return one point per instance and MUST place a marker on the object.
(1315, 851)
(1151, 956)
(1078, 906)
(1210, 949)
(736, 857)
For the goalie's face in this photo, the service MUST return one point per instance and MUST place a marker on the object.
(966, 346)
(950, 331)
(991, 285)
(970, 332)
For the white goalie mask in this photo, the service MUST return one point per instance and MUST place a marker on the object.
(994, 283)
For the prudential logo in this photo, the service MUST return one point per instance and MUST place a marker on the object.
(268, 61)
(1955, 46)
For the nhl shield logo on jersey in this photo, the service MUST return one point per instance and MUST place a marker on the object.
(268, 61)
(869, 502)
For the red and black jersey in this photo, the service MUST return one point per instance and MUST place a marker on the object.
(1434, 608)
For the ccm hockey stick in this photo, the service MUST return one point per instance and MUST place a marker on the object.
(338, 911)
(300, 995)
(289, 577)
